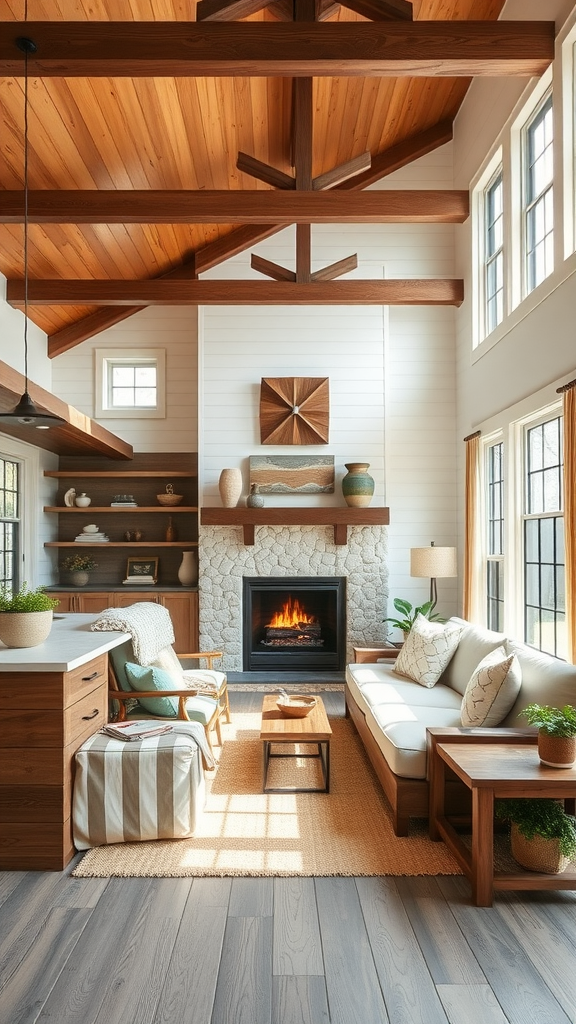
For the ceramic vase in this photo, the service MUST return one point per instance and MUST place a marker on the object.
(357, 485)
(83, 500)
(230, 487)
(188, 571)
(79, 578)
(254, 500)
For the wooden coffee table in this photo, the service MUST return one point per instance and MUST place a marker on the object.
(278, 728)
(490, 770)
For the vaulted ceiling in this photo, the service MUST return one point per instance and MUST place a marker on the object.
(89, 130)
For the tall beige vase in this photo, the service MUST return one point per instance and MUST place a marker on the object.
(230, 487)
(188, 569)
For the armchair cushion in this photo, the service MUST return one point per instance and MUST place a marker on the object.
(205, 680)
(147, 677)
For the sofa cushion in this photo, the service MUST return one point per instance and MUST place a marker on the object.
(492, 689)
(400, 733)
(545, 680)
(427, 650)
(474, 644)
(371, 685)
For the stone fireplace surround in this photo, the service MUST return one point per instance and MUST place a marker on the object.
(289, 551)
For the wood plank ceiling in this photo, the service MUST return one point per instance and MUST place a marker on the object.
(169, 133)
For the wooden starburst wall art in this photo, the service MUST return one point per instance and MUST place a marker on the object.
(294, 410)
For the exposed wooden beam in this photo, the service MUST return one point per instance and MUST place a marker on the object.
(335, 270)
(343, 172)
(381, 10)
(243, 238)
(79, 435)
(270, 269)
(264, 172)
(300, 49)
(228, 10)
(419, 206)
(404, 292)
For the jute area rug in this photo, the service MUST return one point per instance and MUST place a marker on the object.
(244, 832)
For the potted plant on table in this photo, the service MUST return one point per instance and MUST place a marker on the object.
(79, 567)
(542, 835)
(556, 733)
(25, 616)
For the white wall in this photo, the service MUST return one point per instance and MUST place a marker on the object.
(173, 328)
(391, 376)
(12, 348)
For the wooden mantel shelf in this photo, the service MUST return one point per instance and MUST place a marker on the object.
(339, 518)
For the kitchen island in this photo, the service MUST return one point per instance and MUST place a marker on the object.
(52, 698)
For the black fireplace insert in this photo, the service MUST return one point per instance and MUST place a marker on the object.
(294, 623)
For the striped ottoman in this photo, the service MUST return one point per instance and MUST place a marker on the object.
(150, 789)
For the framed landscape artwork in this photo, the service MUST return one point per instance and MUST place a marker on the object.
(292, 474)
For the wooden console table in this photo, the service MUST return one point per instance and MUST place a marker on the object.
(492, 769)
(52, 698)
(339, 518)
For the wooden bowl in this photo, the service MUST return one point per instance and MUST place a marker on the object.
(300, 709)
(169, 499)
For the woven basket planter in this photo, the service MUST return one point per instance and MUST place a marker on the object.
(556, 751)
(25, 629)
(537, 854)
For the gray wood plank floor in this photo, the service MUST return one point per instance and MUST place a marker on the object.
(281, 951)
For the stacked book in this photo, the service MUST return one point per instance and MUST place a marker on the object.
(123, 504)
(137, 730)
(143, 580)
(92, 538)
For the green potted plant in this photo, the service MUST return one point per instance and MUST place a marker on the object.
(410, 614)
(79, 567)
(556, 733)
(25, 616)
(542, 835)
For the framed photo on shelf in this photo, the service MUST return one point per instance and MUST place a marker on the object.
(138, 567)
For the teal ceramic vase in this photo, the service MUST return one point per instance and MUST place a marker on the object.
(357, 485)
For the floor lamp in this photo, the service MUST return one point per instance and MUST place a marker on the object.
(433, 563)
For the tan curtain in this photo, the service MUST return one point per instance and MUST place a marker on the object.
(569, 400)
(469, 609)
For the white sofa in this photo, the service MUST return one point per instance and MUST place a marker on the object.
(392, 713)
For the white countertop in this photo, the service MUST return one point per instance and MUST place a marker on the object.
(71, 643)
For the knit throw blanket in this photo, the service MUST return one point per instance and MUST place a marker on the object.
(149, 625)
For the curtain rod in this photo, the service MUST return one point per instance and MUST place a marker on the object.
(477, 433)
(566, 387)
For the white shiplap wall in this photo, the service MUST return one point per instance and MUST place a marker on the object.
(392, 377)
(173, 328)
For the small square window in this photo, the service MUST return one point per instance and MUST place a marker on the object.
(130, 383)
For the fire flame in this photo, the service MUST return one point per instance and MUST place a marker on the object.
(292, 614)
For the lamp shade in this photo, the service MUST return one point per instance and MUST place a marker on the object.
(433, 562)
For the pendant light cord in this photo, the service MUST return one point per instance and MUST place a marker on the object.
(26, 211)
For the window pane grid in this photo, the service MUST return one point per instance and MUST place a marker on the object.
(539, 204)
(495, 539)
(133, 386)
(494, 262)
(9, 524)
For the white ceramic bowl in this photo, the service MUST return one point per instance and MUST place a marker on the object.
(91, 528)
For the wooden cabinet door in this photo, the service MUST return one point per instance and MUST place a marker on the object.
(95, 603)
(179, 607)
(123, 600)
(66, 602)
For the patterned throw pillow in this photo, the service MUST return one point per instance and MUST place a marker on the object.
(427, 651)
(492, 689)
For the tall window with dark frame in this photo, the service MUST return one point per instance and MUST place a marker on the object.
(9, 523)
(539, 196)
(544, 585)
(495, 539)
(494, 253)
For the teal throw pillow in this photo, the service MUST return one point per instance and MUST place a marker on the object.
(143, 678)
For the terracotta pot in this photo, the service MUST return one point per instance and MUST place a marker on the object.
(556, 751)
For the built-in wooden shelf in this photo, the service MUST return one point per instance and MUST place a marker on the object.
(111, 474)
(90, 509)
(339, 518)
(78, 544)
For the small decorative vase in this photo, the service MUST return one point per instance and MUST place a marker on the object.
(170, 531)
(188, 571)
(357, 485)
(556, 751)
(25, 629)
(79, 578)
(83, 500)
(254, 500)
(230, 487)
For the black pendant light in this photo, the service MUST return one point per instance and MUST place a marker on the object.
(26, 413)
